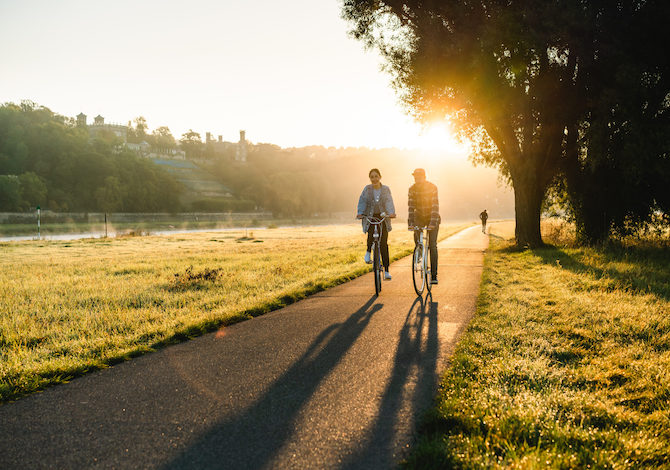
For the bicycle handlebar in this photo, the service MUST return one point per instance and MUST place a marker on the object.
(375, 220)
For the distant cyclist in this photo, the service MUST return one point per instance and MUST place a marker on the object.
(375, 199)
(424, 211)
(484, 217)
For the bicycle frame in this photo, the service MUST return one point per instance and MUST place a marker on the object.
(377, 267)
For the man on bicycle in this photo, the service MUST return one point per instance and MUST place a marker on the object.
(424, 211)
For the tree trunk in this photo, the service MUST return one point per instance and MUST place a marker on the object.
(528, 194)
(592, 220)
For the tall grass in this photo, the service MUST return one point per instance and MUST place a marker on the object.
(70, 307)
(566, 364)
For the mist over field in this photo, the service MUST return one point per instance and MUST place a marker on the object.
(63, 164)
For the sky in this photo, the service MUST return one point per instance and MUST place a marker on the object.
(286, 72)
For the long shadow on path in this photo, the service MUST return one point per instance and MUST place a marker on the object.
(252, 438)
(414, 367)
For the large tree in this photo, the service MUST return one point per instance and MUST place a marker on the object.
(516, 78)
(617, 160)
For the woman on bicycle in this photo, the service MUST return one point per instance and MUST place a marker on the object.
(376, 199)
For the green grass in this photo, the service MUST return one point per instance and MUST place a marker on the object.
(70, 307)
(566, 364)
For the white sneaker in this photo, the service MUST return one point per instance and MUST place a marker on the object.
(387, 276)
(367, 257)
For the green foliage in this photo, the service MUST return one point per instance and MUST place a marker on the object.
(565, 365)
(195, 280)
(60, 168)
(162, 140)
(10, 192)
(33, 190)
(109, 196)
(192, 144)
(544, 90)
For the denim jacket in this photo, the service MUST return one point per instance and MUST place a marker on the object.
(366, 205)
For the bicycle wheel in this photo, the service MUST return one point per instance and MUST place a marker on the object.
(377, 269)
(418, 276)
(426, 269)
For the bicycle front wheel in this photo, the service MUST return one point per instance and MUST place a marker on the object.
(418, 276)
(377, 269)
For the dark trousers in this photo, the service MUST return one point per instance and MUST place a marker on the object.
(432, 247)
(383, 243)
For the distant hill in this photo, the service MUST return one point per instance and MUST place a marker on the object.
(59, 164)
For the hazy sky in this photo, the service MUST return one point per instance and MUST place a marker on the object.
(286, 72)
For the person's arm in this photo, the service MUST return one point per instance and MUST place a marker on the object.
(360, 210)
(390, 207)
(410, 208)
(435, 210)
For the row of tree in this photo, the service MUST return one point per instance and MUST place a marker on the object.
(45, 160)
(160, 139)
(568, 98)
(298, 182)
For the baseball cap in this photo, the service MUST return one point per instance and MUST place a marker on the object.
(419, 171)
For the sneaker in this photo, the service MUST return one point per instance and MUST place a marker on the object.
(433, 280)
(387, 276)
(367, 257)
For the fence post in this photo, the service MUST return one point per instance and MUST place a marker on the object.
(39, 233)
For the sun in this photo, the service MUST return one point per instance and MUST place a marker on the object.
(440, 138)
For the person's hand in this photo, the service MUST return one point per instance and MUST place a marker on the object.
(391, 216)
(359, 216)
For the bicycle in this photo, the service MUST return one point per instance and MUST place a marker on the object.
(375, 251)
(420, 270)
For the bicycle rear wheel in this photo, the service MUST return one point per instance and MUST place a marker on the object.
(418, 276)
(426, 269)
(377, 268)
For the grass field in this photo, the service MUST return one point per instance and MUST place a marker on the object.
(566, 363)
(70, 307)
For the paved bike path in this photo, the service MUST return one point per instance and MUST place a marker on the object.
(334, 381)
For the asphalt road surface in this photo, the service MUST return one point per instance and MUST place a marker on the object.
(337, 380)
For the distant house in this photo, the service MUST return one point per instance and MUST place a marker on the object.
(143, 148)
(172, 154)
(242, 148)
(100, 129)
(234, 150)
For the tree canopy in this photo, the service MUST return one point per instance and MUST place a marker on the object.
(523, 80)
(46, 160)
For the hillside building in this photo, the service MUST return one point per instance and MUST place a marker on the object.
(236, 151)
(241, 151)
(100, 129)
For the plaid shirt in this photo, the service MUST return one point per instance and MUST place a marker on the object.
(423, 205)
